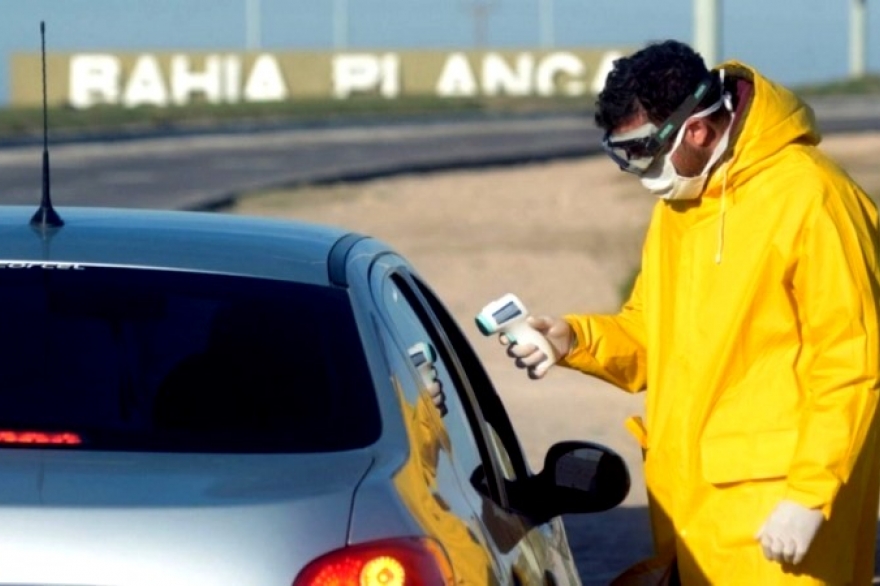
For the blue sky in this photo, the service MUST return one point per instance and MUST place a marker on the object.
(794, 41)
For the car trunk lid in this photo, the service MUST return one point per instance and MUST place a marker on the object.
(105, 518)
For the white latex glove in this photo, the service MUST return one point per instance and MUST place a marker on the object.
(438, 397)
(558, 333)
(787, 533)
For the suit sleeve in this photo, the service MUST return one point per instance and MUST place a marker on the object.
(835, 287)
(612, 347)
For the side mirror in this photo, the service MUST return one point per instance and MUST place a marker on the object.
(585, 477)
(578, 477)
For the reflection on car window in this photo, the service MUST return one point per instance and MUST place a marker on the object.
(163, 360)
(499, 431)
(408, 325)
(504, 461)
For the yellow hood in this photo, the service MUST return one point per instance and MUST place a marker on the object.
(774, 117)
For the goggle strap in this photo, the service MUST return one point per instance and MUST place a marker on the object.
(684, 111)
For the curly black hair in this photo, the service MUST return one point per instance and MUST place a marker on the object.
(656, 78)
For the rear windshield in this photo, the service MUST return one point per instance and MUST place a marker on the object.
(149, 360)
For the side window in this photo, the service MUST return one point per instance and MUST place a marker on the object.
(409, 327)
(483, 448)
(433, 487)
(499, 430)
(462, 375)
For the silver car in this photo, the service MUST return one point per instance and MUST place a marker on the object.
(204, 399)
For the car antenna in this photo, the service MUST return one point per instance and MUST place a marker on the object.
(46, 219)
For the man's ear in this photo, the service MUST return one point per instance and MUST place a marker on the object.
(699, 133)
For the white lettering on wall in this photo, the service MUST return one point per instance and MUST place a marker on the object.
(185, 83)
(145, 84)
(390, 76)
(265, 82)
(99, 79)
(500, 79)
(232, 79)
(94, 79)
(551, 75)
(364, 73)
(103, 79)
(457, 78)
(560, 71)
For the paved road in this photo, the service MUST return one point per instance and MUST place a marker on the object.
(201, 171)
(198, 171)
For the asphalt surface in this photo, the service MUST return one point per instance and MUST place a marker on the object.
(204, 171)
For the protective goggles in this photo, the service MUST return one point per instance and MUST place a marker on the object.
(635, 150)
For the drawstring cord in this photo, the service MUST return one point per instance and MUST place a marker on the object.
(721, 216)
(728, 104)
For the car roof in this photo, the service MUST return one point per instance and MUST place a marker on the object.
(179, 240)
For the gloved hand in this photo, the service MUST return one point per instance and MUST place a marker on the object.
(558, 333)
(787, 533)
(438, 397)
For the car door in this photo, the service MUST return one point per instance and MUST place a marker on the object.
(482, 453)
(544, 546)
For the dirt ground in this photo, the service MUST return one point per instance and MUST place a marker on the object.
(565, 236)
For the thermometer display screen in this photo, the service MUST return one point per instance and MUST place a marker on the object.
(507, 313)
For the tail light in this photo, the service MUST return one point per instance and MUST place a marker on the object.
(64, 438)
(393, 562)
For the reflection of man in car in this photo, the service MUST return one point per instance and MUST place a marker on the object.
(506, 530)
(417, 484)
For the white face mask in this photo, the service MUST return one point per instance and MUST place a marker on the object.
(663, 180)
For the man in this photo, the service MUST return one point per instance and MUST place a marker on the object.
(753, 325)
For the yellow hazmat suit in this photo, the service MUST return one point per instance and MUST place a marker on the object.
(753, 325)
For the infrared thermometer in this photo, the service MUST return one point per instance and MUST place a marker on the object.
(507, 315)
(423, 356)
